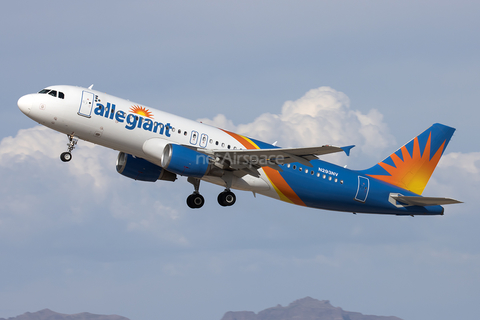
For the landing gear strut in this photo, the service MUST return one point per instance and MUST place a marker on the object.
(195, 200)
(72, 141)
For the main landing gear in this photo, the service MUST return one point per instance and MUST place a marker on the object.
(72, 141)
(226, 198)
(196, 200)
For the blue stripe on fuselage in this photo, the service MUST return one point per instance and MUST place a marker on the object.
(325, 193)
(322, 193)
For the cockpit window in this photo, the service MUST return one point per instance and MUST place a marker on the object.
(53, 93)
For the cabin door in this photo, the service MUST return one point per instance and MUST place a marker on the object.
(86, 105)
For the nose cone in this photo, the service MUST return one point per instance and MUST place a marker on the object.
(25, 103)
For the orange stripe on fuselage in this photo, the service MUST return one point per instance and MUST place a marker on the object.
(283, 189)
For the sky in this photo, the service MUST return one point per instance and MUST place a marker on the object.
(79, 237)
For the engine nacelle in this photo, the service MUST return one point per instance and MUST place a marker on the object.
(141, 169)
(185, 161)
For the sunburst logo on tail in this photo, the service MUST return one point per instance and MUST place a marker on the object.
(414, 170)
(142, 111)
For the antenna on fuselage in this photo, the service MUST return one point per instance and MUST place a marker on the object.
(90, 87)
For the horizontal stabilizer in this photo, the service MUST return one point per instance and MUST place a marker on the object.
(425, 201)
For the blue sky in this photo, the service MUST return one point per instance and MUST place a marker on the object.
(79, 237)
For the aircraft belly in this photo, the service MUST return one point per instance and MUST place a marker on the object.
(245, 183)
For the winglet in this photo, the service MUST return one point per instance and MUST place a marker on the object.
(347, 149)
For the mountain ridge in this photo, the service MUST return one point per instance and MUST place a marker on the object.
(47, 314)
(304, 309)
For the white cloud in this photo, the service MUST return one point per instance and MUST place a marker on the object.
(467, 162)
(45, 145)
(40, 192)
(37, 142)
(457, 176)
(321, 116)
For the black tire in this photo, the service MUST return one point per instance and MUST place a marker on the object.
(226, 198)
(195, 201)
(66, 156)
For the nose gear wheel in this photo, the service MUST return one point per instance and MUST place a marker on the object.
(72, 142)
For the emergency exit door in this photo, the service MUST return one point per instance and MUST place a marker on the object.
(362, 191)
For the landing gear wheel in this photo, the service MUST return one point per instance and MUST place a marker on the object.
(195, 201)
(66, 156)
(226, 198)
(72, 142)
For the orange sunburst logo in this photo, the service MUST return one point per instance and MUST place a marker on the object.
(142, 111)
(414, 171)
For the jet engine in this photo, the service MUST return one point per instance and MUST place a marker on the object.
(185, 161)
(141, 169)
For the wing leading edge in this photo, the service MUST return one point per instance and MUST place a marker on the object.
(241, 159)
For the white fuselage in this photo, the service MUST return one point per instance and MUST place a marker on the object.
(132, 128)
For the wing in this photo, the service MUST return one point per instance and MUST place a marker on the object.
(425, 201)
(251, 160)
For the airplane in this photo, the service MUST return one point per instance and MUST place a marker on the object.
(156, 145)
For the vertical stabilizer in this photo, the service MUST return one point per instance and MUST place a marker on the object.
(411, 166)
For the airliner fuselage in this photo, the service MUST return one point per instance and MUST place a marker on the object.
(156, 145)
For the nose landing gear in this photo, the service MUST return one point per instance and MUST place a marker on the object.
(72, 141)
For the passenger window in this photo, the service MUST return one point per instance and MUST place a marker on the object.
(61, 95)
(185, 133)
(53, 93)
